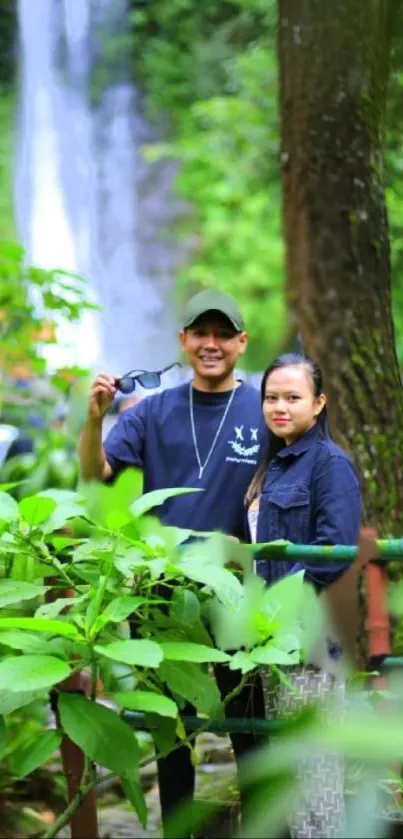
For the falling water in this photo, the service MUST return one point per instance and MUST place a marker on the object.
(86, 200)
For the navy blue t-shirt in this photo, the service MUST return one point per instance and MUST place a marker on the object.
(156, 435)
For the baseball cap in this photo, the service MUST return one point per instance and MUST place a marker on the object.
(212, 300)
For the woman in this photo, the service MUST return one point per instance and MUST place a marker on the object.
(305, 491)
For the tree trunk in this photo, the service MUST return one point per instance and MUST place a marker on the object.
(334, 60)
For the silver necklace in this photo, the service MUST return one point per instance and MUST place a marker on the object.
(201, 465)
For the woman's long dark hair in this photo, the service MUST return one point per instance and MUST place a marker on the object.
(275, 444)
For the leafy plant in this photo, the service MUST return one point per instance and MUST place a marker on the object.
(106, 547)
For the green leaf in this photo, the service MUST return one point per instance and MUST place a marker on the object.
(10, 702)
(34, 509)
(51, 610)
(156, 498)
(140, 653)
(198, 653)
(164, 732)
(191, 683)
(269, 654)
(53, 627)
(149, 701)
(63, 496)
(10, 485)
(13, 591)
(36, 753)
(18, 640)
(185, 607)
(284, 600)
(119, 609)
(8, 508)
(31, 672)
(242, 661)
(28, 642)
(134, 793)
(100, 733)
(102, 500)
(3, 734)
(61, 515)
(222, 582)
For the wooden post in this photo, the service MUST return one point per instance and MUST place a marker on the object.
(84, 822)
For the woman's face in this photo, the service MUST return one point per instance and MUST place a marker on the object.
(290, 407)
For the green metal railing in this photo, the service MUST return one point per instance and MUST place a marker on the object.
(388, 549)
(238, 725)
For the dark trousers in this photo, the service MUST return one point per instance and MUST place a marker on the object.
(176, 775)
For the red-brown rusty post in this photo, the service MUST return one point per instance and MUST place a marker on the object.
(343, 600)
(84, 822)
(378, 624)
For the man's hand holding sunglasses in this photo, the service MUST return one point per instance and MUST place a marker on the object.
(102, 393)
(104, 388)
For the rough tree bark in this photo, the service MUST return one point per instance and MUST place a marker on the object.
(334, 61)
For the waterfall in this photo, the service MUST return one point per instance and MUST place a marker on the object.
(86, 200)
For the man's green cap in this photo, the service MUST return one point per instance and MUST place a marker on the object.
(211, 300)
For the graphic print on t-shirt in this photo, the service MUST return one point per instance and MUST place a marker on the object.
(244, 445)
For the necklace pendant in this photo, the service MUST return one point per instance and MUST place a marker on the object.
(201, 470)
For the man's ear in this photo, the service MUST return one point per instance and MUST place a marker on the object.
(243, 342)
(182, 338)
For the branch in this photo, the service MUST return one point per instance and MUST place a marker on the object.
(89, 780)
(87, 784)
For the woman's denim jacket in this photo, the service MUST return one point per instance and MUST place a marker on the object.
(310, 496)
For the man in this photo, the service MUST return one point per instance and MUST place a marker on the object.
(207, 432)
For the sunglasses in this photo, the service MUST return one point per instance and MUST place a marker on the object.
(127, 383)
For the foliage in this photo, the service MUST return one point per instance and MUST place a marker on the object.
(105, 545)
(212, 69)
(33, 302)
(111, 559)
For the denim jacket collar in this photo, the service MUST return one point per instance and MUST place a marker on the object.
(302, 444)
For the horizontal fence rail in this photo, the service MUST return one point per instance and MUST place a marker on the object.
(388, 549)
(241, 725)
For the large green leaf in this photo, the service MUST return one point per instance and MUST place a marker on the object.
(36, 753)
(133, 791)
(10, 702)
(31, 672)
(140, 653)
(198, 653)
(13, 591)
(52, 627)
(284, 600)
(222, 582)
(156, 498)
(104, 500)
(100, 733)
(142, 700)
(8, 508)
(190, 682)
(34, 509)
